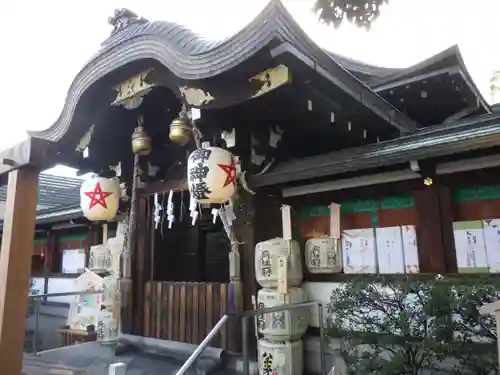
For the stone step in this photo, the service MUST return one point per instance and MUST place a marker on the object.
(144, 356)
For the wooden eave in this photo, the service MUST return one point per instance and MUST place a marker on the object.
(448, 61)
(446, 139)
(443, 59)
(338, 76)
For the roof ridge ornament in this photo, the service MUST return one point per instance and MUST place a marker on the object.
(122, 18)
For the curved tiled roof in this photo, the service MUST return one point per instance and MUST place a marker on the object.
(363, 71)
(193, 58)
(186, 41)
(54, 192)
(190, 57)
(56, 196)
(183, 40)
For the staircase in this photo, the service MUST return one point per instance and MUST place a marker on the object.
(34, 365)
(151, 356)
(142, 356)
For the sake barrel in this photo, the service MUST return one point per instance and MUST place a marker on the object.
(97, 259)
(323, 255)
(282, 325)
(107, 326)
(267, 254)
(281, 358)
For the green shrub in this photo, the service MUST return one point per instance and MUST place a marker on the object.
(396, 326)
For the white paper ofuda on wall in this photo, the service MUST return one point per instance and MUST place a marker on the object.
(359, 255)
(492, 241)
(470, 246)
(389, 250)
(410, 248)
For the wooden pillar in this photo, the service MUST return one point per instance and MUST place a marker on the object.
(446, 215)
(243, 230)
(48, 258)
(434, 229)
(258, 218)
(92, 238)
(141, 266)
(15, 265)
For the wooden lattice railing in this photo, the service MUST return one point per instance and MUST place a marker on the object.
(186, 312)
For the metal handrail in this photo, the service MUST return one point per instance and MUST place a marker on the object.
(65, 294)
(38, 297)
(244, 316)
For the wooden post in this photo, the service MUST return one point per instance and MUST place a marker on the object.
(15, 265)
(434, 229)
(49, 256)
(141, 266)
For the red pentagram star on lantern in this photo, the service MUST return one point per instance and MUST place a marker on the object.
(98, 197)
(230, 170)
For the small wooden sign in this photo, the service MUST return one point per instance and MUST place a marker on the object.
(282, 274)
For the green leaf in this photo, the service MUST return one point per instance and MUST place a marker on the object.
(393, 326)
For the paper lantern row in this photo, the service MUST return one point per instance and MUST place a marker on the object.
(212, 178)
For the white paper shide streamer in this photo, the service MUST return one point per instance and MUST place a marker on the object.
(170, 209)
(157, 211)
(193, 210)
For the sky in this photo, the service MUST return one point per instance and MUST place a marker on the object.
(45, 43)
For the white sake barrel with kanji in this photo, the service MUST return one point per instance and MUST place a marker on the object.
(323, 255)
(282, 325)
(267, 254)
(281, 358)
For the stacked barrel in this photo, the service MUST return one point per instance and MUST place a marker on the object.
(280, 346)
(106, 258)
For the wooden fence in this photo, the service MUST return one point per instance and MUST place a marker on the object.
(186, 312)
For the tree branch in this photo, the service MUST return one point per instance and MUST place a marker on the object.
(361, 13)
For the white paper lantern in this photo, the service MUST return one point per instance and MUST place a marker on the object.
(211, 175)
(99, 198)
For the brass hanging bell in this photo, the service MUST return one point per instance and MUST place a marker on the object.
(141, 141)
(180, 131)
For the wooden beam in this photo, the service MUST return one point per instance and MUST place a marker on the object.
(461, 114)
(15, 265)
(165, 186)
(32, 151)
